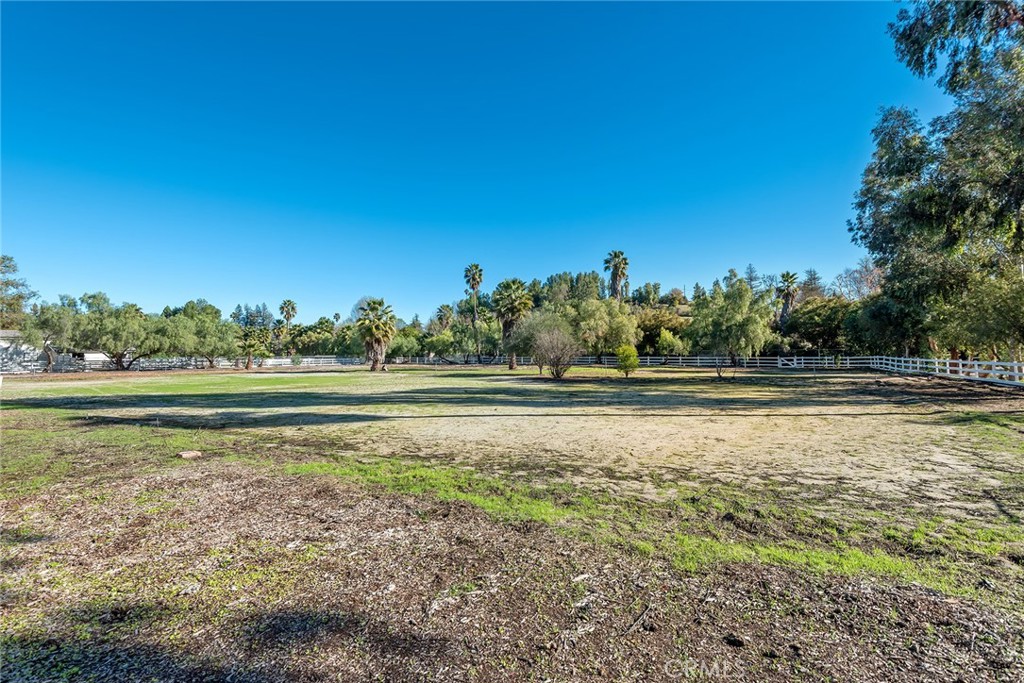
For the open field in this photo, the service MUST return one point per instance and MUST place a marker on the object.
(488, 525)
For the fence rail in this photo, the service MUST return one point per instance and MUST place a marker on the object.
(999, 372)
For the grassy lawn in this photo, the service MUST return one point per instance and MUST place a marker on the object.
(482, 525)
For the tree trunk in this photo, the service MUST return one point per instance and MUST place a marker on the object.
(476, 333)
(51, 358)
(375, 354)
(512, 361)
(248, 361)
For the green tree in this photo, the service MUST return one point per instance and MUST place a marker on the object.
(941, 207)
(787, 292)
(617, 264)
(603, 325)
(811, 287)
(124, 333)
(52, 328)
(441, 344)
(202, 332)
(511, 304)
(627, 359)
(315, 339)
(14, 295)
(288, 310)
(969, 35)
(647, 294)
(254, 342)
(731, 319)
(376, 325)
(442, 320)
(670, 345)
(652, 321)
(474, 277)
(406, 343)
(819, 323)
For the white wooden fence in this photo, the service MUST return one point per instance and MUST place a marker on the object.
(998, 372)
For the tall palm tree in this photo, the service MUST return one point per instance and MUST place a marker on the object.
(512, 302)
(376, 325)
(288, 310)
(787, 290)
(474, 276)
(618, 265)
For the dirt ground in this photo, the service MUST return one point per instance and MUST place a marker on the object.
(866, 436)
(255, 578)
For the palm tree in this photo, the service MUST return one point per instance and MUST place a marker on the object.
(376, 325)
(787, 291)
(288, 310)
(474, 276)
(444, 317)
(618, 265)
(511, 304)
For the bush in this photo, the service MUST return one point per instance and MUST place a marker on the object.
(296, 359)
(628, 359)
(555, 348)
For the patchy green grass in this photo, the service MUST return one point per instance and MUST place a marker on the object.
(93, 432)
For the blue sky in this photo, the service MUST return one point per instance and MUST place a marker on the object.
(323, 151)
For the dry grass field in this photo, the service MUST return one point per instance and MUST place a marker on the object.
(487, 525)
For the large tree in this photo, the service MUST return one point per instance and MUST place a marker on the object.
(52, 327)
(617, 264)
(288, 309)
(14, 295)
(474, 276)
(604, 325)
(124, 333)
(787, 290)
(941, 206)
(511, 302)
(376, 325)
(731, 319)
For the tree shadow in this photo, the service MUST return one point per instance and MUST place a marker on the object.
(108, 648)
(749, 396)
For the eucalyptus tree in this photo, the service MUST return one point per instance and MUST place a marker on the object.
(617, 264)
(377, 327)
(511, 302)
(474, 276)
(941, 205)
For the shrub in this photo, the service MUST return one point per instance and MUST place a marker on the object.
(296, 359)
(628, 359)
(555, 348)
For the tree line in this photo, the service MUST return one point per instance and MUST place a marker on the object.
(551, 320)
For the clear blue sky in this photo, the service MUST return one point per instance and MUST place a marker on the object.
(320, 152)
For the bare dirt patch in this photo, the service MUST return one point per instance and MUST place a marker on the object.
(220, 572)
